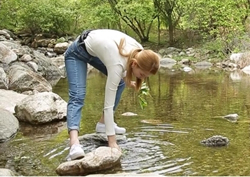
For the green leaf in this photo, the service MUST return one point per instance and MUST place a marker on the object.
(143, 92)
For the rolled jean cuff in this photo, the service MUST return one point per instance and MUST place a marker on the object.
(73, 128)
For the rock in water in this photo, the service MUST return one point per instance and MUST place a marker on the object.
(102, 158)
(129, 114)
(231, 117)
(215, 141)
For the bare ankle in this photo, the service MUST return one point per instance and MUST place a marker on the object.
(101, 119)
(73, 136)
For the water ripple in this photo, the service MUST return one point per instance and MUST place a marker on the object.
(161, 128)
(143, 152)
(145, 155)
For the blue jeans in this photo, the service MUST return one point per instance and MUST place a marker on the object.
(76, 60)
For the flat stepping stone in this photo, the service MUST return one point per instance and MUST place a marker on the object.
(100, 159)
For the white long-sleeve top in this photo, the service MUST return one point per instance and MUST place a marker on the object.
(103, 43)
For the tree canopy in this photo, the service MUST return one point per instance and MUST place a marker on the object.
(220, 21)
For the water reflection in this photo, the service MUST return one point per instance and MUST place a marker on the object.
(42, 132)
(164, 138)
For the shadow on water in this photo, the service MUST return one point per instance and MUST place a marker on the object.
(164, 138)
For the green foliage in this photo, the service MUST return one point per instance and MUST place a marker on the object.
(216, 48)
(213, 18)
(101, 15)
(8, 15)
(143, 92)
(140, 10)
(218, 22)
(60, 40)
(138, 15)
(46, 16)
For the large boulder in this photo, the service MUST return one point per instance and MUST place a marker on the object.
(5, 34)
(61, 47)
(6, 172)
(9, 125)
(41, 108)
(100, 159)
(22, 79)
(6, 55)
(4, 81)
(59, 62)
(47, 68)
(167, 63)
(9, 99)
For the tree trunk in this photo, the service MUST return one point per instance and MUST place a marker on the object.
(159, 30)
(170, 30)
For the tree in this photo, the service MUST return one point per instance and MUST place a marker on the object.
(216, 18)
(244, 7)
(137, 14)
(9, 20)
(220, 22)
(98, 14)
(171, 11)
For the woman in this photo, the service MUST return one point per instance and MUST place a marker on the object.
(116, 55)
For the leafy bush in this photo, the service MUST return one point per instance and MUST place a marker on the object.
(46, 16)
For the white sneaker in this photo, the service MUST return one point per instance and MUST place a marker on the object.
(100, 128)
(75, 152)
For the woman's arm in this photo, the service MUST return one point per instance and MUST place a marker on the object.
(113, 79)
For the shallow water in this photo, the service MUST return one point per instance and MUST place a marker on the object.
(164, 138)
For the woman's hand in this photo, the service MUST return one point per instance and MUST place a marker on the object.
(133, 84)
